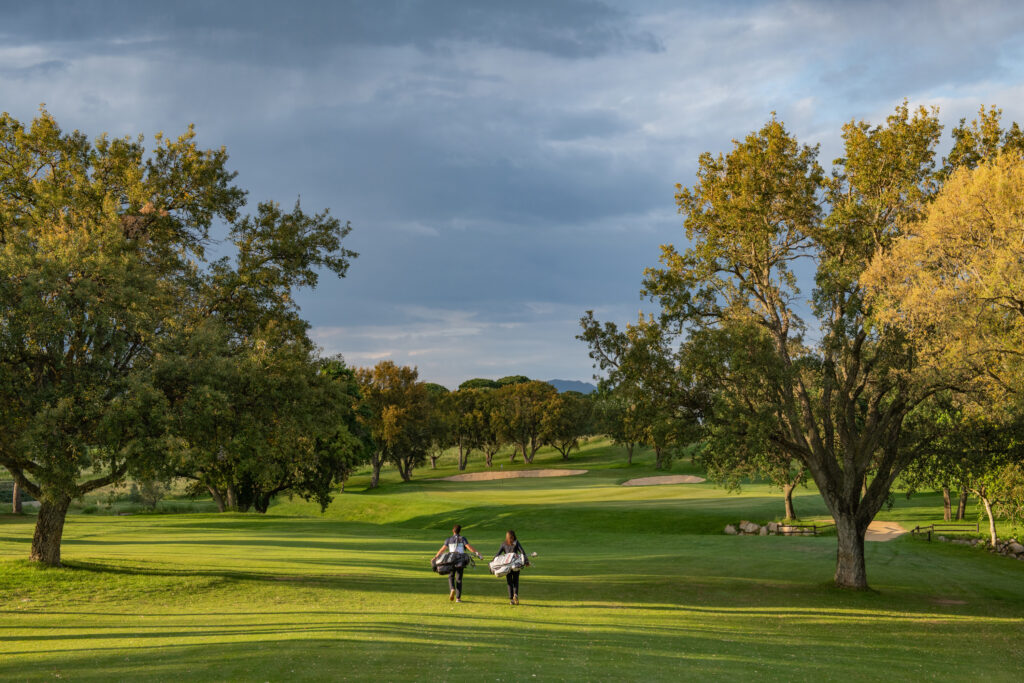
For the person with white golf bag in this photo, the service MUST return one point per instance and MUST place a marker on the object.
(509, 560)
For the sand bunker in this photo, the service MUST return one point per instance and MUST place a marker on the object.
(883, 531)
(667, 479)
(512, 474)
(879, 531)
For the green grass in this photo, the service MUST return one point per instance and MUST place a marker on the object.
(631, 583)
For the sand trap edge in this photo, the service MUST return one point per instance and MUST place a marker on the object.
(512, 474)
(665, 479)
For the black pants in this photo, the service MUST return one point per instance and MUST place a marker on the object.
(455, 582)
(513, 584)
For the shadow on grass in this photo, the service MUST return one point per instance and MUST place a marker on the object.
(714, 644)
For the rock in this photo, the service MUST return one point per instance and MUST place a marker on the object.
(730, 529)
(1016, 548)
(763, 531)
(749, 527)
(773, 527)
(941, 538)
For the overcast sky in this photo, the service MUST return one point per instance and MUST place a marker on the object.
(505, 165)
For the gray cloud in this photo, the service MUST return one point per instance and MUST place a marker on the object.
(505, 165)
(296, 32)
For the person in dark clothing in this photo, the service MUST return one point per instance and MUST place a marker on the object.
(512, 545)
(456, 543)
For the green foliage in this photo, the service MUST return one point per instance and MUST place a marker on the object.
(106, 289)
(517, 415)
(511, 379)
(970, 448)
(984, 139)
(479, 383)
(566, 418)
(436, 390)
(652, 401)
(399, 416)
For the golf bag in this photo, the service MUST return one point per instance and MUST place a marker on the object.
(509, 562)
(448, 562)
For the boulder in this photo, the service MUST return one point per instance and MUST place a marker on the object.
(773, 527)
(763, 531)
(730, 529)
(749, 527)
(941, 538)
(1016, 548)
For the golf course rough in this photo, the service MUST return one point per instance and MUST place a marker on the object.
(632, 583)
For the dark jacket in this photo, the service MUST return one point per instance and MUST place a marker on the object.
(514, 548)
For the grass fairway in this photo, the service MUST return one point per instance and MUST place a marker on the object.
(632, 583)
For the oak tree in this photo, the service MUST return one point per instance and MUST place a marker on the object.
(835, 400)
(566, 418)
(518, 413)
(97, 239)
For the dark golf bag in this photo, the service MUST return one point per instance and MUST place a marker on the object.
(448, 562)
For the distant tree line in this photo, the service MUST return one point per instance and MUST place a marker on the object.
(412, 422)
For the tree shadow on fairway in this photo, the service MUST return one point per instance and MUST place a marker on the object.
(467, 646)
(350, 575)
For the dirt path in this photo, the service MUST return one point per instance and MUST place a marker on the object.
(513, 474)
(666, 479)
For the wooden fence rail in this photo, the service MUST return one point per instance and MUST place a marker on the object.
(930, 529)
(804, 529)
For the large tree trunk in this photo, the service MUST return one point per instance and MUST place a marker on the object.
(961, 508)
(16, 499)
(489, 457)
(217, 497)
(947, 506)
(787, 492)
(463, 457)
(657, 457)
(629, 453)
(49, 530)
(851, 571)
(232, 498)
(405, 468)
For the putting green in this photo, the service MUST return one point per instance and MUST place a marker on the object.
(630, 583)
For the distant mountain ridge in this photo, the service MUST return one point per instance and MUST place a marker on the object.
(572, 385)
